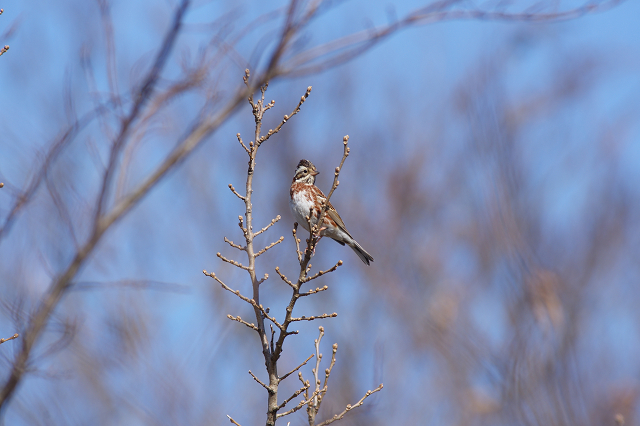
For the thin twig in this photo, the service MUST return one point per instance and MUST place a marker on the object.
(266, 315)
(321, 273)
(234, 245)
(252, 302)
(281, 239)
(351, 407)
(233, 421)
(295, 394)
(315, 406)
(284, 278)
(241, 321)
(286, 118)
(327, 372)
(229, 289)
(297, 240)
(314, 317)
(237, 194)
(297, 368)
(263, 279)
(242, 143)
(303, 381)
(260, 381)
(15, 336)
(233, 262)
(299, 406)
(314, 291)
(241, 225)
(277, 218)
(345, 154)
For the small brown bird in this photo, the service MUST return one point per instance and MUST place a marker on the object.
(305, 196)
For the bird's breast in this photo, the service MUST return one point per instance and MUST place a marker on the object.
(301, 202)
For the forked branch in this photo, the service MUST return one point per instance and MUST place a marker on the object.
(318, 395)
(300, 405)
(271, 346)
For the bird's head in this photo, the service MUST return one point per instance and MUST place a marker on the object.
(305, 172)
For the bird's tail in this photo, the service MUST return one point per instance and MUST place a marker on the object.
(362, 253)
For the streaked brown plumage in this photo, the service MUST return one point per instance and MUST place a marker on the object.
(304, 196)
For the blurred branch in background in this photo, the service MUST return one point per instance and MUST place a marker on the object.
(96, 171)
(509, 292)
(345, 49)
(101, 222)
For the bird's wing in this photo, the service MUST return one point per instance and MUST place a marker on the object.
(333, 214)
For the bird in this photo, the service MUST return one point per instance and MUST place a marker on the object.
(306, 197)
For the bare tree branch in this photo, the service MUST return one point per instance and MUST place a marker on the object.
(61, 284)
(299, 406)
(232, 244)
(241, 321)
(57, 147)
(144, 103)
(314, 317)
(281, 239)
(295, 394)
(297, 368)
(139, 99)
(314, 291)
(236, 192)
(271, 349)
(351, 407)
(321, 273)
(233, 421)
(15, 336)
(273, 221)
(261, 383)
(233, 262)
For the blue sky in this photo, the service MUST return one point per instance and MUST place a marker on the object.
(415, 102)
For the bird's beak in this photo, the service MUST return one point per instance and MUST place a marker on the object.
(315, 173)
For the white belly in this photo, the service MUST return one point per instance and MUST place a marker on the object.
(300, 207)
